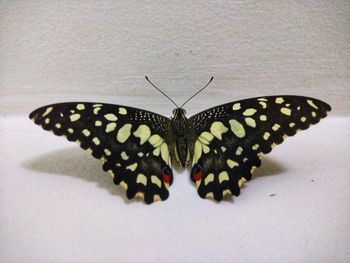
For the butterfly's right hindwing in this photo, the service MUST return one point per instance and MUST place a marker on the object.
(130, 142)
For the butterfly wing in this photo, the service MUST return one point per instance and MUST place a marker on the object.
(130, 142)
(232, 137)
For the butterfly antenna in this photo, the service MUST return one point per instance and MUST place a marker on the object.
(198, 92)
(161, 91)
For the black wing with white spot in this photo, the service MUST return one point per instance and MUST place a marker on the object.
(232, 137)
(130, 142)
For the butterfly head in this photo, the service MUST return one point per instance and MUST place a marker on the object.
(179, 113)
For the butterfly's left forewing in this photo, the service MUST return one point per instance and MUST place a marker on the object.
(130, 142)
(232, 137)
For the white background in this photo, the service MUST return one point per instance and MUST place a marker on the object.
(56, 203)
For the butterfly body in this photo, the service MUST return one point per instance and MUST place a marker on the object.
(183, 137)
(223, 145)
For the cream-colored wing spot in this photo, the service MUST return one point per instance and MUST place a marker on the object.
(143, 132)
(96, 110)
(217, 129)
(47, 111)
(250, 122)
(80, 106)
(206, 137)
(262, 99)
(232, 163)
(223, 176)
(255, 147)
(263, 104)
(236, 106)
(156, 151)
(266, 136)
(303, 119)
(286, 111)
(111, 173)
(160, 147)
(89, 150)
(47, 121)
(239, 150)
(312, 104)
(132, 167)
(241, 181)
(209, 195)
(209, 178)
(205, 148)
(279, 100)
(124, 133)
(226, 192)
(58, 125)
(156, 198)
(110, 127)
(197, 151)
(155, 180)
(142, 179)
(139, 196)
(124, 156)
(313, 114)
(155, 140)
(263, 118)
(107, 152)
(249, 112)
(124, 185)
(164, 152)
(70, 130)
(252, 169)
(237, 128)
(110, 117)
(98, 123)
(276, 126)
(74, 117)
(122, 111)
(292, 124)
(86, 132)
(96, 141)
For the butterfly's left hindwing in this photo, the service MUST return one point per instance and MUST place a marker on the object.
(130, 142)
(232, 137)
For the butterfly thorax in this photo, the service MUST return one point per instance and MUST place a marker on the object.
(182, 137)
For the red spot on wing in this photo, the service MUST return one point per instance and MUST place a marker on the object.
(166, 177)
(198, 175)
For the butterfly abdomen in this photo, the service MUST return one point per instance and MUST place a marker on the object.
(182, 137)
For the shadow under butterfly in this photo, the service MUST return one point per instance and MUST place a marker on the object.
(77, 164)
(222, 145)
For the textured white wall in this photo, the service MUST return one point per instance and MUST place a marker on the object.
(100, 50)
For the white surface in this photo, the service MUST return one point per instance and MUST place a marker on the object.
(56, 203)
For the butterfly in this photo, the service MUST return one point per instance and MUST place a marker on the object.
(222, 145)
